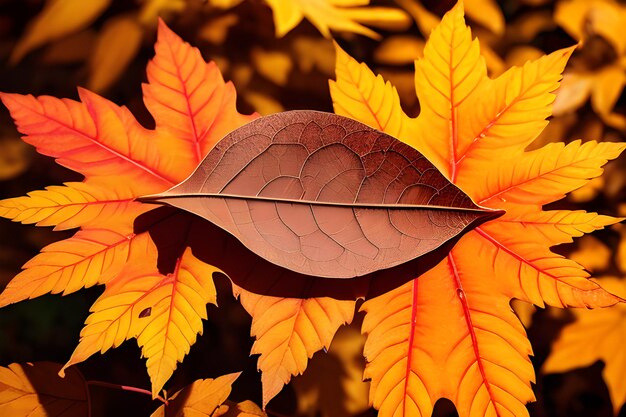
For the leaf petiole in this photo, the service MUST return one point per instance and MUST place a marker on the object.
(125, 388)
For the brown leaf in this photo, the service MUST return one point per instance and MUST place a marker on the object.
(324, 195)
(214, 246)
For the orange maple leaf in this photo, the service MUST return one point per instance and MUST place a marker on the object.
(451, 332)
(193, 108)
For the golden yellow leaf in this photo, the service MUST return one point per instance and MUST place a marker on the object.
(582, 18)
(608, 85)
(336, 15)
(289, 331)
(216, 30)
(592, 254)
(71, 205)
(404, 82)
(263, 103)
(57, 19)
(359, 94)
(425, 20)
(203, 398)
(35, 389)
(518, 56)
(587, 192)
(153, 9)
(164, 313)
(224, 4)
(505, 114)
(574, 91)
(117, 44)
(435, 76)
(90, 257)
(385, 18)
(486, 13)
(192, 108)
(544, 175)
(274, 65)
(595, 335)
(604, 86)
(314, 53)
(431, 345)
(399, 50)
(495, 64)
(451, 332)
(555, 227)
(333, 384)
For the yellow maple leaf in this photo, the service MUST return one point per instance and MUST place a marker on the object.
(164, 313)
(289, 331)
(584, 19)
(451, 332)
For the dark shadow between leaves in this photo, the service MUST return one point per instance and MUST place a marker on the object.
(173, 230)
(57, 396)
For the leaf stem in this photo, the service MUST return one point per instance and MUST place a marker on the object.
(125, 388)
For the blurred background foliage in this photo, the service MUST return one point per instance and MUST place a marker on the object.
(279, 54)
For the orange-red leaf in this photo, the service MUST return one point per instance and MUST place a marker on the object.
(188, 98)
(121, 160)
(95, 138)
